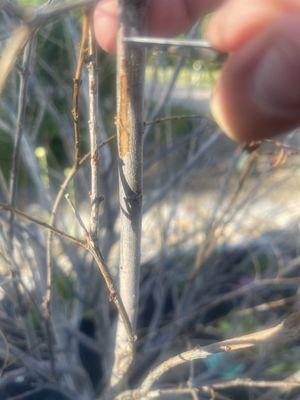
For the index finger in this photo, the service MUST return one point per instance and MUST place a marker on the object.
(239, 21)
(165, 18)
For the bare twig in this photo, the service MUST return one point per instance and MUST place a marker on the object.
(283, 385)
(74, 170)
(6, 355)
(284, 330)
(114, 295)
(76, 213)
(33, 20)
(4, 186)
(95, 196)
(269, 306)
(90, 247)
(218, 223)
(76, 87)
(13, 48)
(29, 218)
(130, 85)
(181, 173)
(24, 73)
(173, 118)
(46, 14)
(159, 393)
(180, 391)
(39, 16)
(12, 8)
(167, 93)
(75, 113)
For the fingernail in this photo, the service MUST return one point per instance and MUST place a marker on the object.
(217, 110)
(276, 80)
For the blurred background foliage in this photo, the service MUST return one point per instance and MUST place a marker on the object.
(220, 231)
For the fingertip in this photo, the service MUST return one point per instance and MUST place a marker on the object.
(257, 96)
(219, 114)
(238, 21)
(106, 25)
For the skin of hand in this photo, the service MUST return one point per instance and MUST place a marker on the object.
(258, 94)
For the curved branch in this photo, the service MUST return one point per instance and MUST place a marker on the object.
(285, 330)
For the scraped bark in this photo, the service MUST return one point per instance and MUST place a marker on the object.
(130, 127)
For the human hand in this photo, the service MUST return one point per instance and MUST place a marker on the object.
(258, 94)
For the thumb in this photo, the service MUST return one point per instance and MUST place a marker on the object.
(258, 94)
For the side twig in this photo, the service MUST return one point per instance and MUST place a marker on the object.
(92, 248)
(95, 196)
(285, 330)
(49, 240)
(95, 253)
(76, 87)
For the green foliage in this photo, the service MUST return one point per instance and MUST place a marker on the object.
(261, 262)
(31, 2)
(6, 150)
(197, 74)
(64, 287)
(34, 319)
(241, 325)
(284, 367)
(107, 88)
(54, 71)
